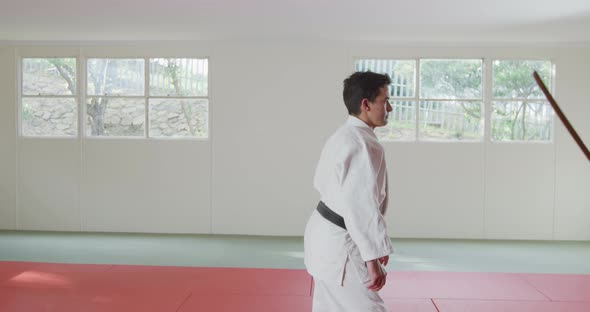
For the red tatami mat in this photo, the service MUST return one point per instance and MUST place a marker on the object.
(446, 305)
(410, 305)
(239, 281)
(47, 287)
(18, 300)
(246, 303)
(561, 287)
(456, 285)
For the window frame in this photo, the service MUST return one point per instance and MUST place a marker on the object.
(414, 99)
(192, 97)
(486, 100)
(492, 99)
(469, 100)
(20, 95)
(82, 96)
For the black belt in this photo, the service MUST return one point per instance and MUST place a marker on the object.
(330, 215)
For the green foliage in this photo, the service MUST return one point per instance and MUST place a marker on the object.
(523, 121)
(516, 120)
(514, 79)
(27, 113)
(451, 79)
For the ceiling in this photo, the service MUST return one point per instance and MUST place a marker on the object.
(532, 21)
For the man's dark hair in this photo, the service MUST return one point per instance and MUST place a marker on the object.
(361, 85)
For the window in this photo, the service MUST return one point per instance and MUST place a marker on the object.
(402, 96)
(48, 97)
(178, 104)
(450, 98)
(123, 97)
(520, 111)
(115, 102)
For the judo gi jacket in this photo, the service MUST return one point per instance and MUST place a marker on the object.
(351, 177)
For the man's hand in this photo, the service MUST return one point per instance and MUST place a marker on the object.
(384, 260)
(377, 274)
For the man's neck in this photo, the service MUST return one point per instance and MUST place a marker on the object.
(365, 119)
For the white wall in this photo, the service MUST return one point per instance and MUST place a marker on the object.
(572, 170)
(7, 139)
(272, 105)
(278, 105)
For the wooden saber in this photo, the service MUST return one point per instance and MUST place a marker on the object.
(559, 113)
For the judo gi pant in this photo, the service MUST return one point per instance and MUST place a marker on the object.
(351, 296)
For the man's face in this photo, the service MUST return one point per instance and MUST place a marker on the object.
(379, 109)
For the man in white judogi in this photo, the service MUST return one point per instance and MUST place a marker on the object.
(346, 240)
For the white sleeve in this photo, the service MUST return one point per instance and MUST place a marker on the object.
(360, 198)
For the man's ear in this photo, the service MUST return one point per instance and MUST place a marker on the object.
(365, 105)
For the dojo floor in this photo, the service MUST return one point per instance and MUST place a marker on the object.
(42, 271)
